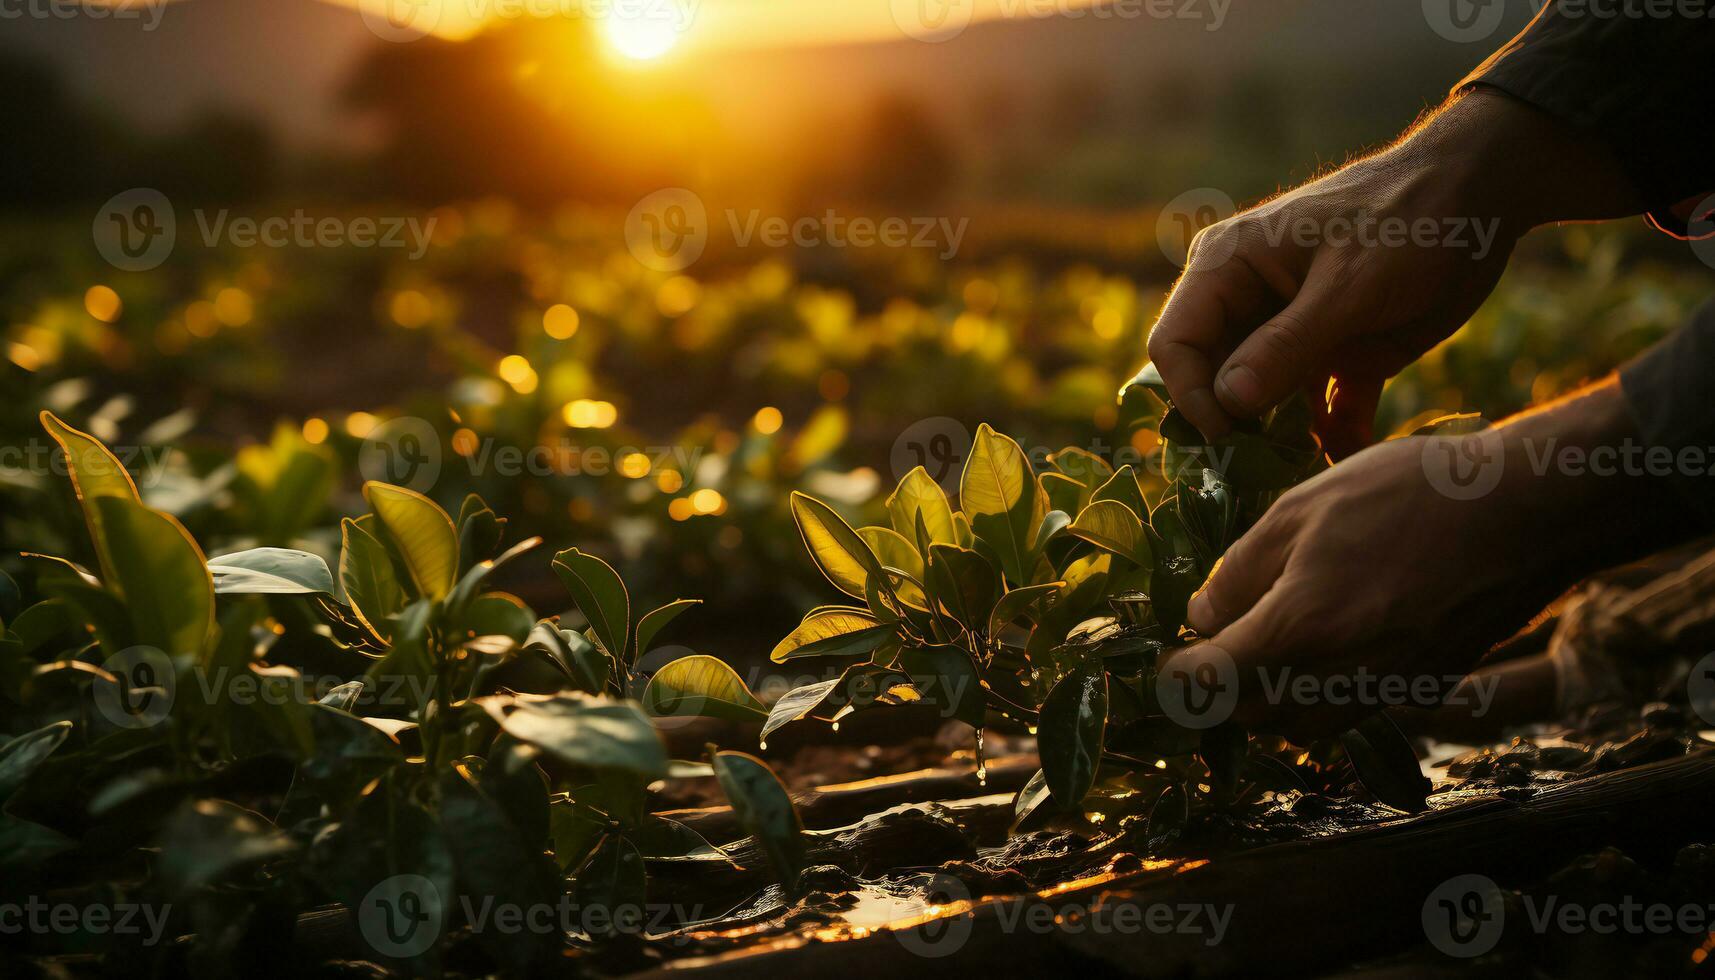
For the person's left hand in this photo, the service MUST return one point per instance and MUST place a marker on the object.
(1370, 566)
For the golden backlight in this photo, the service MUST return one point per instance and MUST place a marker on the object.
(642, 36)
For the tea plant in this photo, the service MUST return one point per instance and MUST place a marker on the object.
(164, 688)
(1048, 599)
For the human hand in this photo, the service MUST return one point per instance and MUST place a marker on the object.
(1353, 276)
(1376, 566)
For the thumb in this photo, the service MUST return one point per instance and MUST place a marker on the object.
(1239, 579)
(1277, 359)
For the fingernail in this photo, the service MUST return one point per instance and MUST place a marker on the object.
(1242, 388)
(1200, 612)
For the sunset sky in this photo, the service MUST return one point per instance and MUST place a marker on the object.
(728, 23)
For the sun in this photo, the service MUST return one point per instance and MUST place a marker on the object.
(641, 36)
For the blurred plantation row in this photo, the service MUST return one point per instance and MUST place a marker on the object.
(660, 418)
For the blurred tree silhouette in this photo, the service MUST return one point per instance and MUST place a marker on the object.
(524, 109)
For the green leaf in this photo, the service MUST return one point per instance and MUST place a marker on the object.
(965, 583)
(480, 531)
(367, 576)
(1064, 493)
(575, 826)
(1019, 602)
(272, 571)
(11, 600)
(1148, 379)
(797, 703)
(494, 862)
(580, 730)
(1123, 487)
(423, 533)
(95, 473)
(919, 496)
(838, 551)
(408, 666)
(497, 614)
(1112, 526)
(998, 493)
(1081, 465)
(833, 631)
(701, 686)
(946, 677)
(666, 839)
(600, 595)
(20, 756)
(765, 811)
(1069, 734)
(1386, 764)
(613, 886)
(893, 550)
(656, 620)
(161, 574)
(204, 841)
(1030, 801)
(577, 657)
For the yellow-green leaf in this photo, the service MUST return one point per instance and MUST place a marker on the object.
(600, 595)
(656, 620)
(161, 574)
(1111, 526)
(893, 550)
(95, 472)
(366, 573)
(838, 550)
(701, 686)
(917, 493)
(824, 625)
(998, 493)
(423, 533)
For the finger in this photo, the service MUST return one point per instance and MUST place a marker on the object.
(1279, 357)
(1240, 578)
(1213, 302)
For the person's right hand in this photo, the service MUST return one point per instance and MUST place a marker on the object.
(1353, 276)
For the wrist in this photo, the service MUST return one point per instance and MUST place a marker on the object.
(1506, 160)
(1586, 491)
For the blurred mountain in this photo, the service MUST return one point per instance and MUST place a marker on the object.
(1092, 109)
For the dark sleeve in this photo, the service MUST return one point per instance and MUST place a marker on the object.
(1638, 75)
(1671, 392)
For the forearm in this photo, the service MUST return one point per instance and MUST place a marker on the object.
(1631, 77)
(1587, 488)
(1507, 160)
